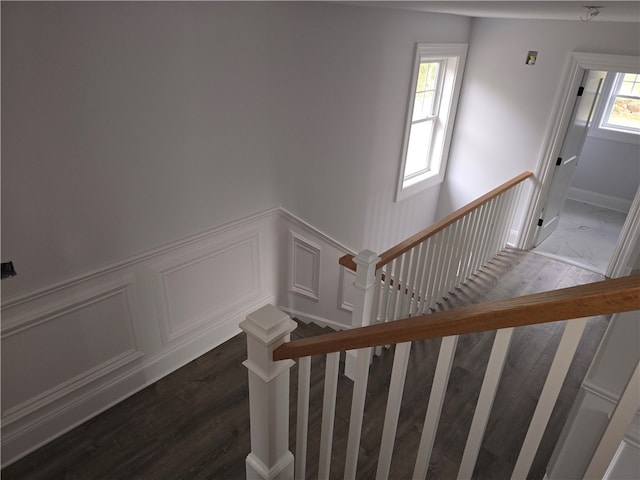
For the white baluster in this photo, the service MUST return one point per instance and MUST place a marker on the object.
(270, 458)
(302, 422)
(386, 291)
(442, 262)
(405, 284)
(555, 378)
(420, 279)
(328, 413)
(485, 401)
(434, 270)
(396, 388)
(485, 221)
(489, 227)
(393, 304)
(511, 205)
(514, 202)
(454, 257)
(425, 293)
(411, 295)
(377, 291)
(434, 409)
(357, 412)
(425, 275)
(501, 208)
(471, 245)
(466, 246)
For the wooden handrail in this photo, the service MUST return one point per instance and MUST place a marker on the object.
(421, 236)
(600, 298)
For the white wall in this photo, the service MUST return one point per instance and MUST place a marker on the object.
(131, 125)
(506, 106)
(608, 173)
(144, 148)
(347, 81)
(127, 126)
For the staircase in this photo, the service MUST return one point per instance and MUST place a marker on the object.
(397, 305)
(194, 423)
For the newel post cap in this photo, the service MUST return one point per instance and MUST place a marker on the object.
(268, 324)
(366, 258)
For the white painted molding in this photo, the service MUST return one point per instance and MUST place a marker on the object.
(599, 200)
(315, 232)
(132, 261)
(218, 293)
(620, 263)
(43, 399)
(35, 430)
(603, 61)
(307, 318)
(167, 329)
(85, 299)
(31, 317)
(346, 289)
(304, 267)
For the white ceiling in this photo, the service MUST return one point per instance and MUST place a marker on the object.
(610, 11)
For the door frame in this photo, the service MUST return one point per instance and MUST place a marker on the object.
(577, 63)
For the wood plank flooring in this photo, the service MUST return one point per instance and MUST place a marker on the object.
(193, 424)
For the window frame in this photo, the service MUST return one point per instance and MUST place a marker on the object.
(452, 58)
(599, 127)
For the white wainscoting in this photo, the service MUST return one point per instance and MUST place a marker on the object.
(73, 349)
(304, 269)
(314, 291)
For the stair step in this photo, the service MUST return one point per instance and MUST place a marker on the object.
(306, 330)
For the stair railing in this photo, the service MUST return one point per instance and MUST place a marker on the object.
(420, 271)
(270, 357)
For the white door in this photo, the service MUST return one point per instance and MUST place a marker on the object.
(570, 152)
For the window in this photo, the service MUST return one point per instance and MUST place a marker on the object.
(435, 85)
(618, 116)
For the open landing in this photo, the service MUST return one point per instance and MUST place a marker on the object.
(194, 423)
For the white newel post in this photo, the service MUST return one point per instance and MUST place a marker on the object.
(270, 458)
(363, 303)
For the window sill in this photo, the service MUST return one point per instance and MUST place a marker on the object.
(615, 136)
(418, 185)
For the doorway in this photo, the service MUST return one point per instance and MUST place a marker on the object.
(581, 65)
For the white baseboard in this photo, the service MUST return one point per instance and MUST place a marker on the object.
(308, 318)
(599, 200)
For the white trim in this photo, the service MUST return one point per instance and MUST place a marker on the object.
(313, 230)
(307, 318)
(63, 389)
(131, 261)
(599, 199)
(343, 304)
(447, 97)
(611, 132)
(27, 437)
(298, 244)
(187, 241)
(215, 314)
(576, 64)
(628, 242)
(86, 297)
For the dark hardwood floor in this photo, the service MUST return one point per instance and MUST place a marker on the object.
(193, 424)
